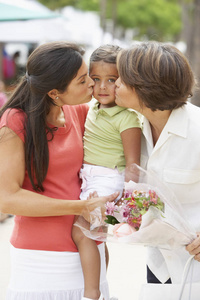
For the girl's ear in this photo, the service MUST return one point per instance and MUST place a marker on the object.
(53, 94)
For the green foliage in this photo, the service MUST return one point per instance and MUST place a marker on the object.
(55, 4)
(111, 220)
(92, 5)
(150, 19)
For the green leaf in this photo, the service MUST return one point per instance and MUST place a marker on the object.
(111, 220)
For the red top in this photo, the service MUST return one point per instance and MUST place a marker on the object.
(62, 182)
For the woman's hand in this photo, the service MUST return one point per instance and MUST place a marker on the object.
(96, 202)
(194, 248)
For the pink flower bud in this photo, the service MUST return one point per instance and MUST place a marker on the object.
(123, 229)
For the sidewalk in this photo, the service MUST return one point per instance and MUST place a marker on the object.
(126, 271)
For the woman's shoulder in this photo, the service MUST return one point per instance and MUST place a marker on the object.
(192, 112)
(192, 108)
(13, 114)
(78, 110)
(15, 120)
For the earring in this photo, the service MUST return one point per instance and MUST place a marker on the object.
(57, 97)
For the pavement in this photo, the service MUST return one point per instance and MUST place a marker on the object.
(126, 272)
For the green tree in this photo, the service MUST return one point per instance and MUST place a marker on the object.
(52, 4)
(191, 36)
(163, 20)
(156, 19)
(81, 4)
(151, 19)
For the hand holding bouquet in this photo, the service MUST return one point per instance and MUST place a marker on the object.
(149, 214)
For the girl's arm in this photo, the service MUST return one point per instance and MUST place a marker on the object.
(18, 201)
(131, 140)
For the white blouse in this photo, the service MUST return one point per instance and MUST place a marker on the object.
(176, 161)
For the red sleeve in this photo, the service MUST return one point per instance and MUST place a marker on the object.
(15, 120)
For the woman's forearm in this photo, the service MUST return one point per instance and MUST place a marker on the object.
(18, 201)
(30, 204)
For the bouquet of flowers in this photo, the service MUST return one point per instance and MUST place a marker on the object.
(128, 215)
(148, 214)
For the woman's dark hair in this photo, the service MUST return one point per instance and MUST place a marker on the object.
(106, 53)
(50, 66)
(160, 74)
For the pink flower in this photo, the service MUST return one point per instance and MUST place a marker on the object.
(125, 211)
(110, 208)
(123, 229)
(145, 203)
(131, 210)
(153, 196)
(127, 194)
(135, 222)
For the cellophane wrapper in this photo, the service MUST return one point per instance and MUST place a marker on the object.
(166, 229)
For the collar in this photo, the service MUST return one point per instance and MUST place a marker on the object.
(111, 111)
(178, 121)
(177, 124)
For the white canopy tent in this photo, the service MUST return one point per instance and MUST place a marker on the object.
(28, 21)
(72, 25)
(12, 10)
(34, 31)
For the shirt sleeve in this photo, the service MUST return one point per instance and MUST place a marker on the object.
(15, 120)
(130, 119)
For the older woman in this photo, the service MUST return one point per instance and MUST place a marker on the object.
(156, 80)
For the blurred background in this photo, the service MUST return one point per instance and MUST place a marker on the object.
(25, 24)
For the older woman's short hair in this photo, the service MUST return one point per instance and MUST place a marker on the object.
(160, 74)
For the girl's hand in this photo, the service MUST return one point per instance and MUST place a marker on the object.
(194, 248)
(97, 202)
(93, 195)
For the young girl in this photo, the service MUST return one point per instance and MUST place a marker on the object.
(111, 143)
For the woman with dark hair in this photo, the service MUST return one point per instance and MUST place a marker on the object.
(156, 80)
(41, 153)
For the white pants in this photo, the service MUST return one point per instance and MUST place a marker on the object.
(49, 275)
(104, 181)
